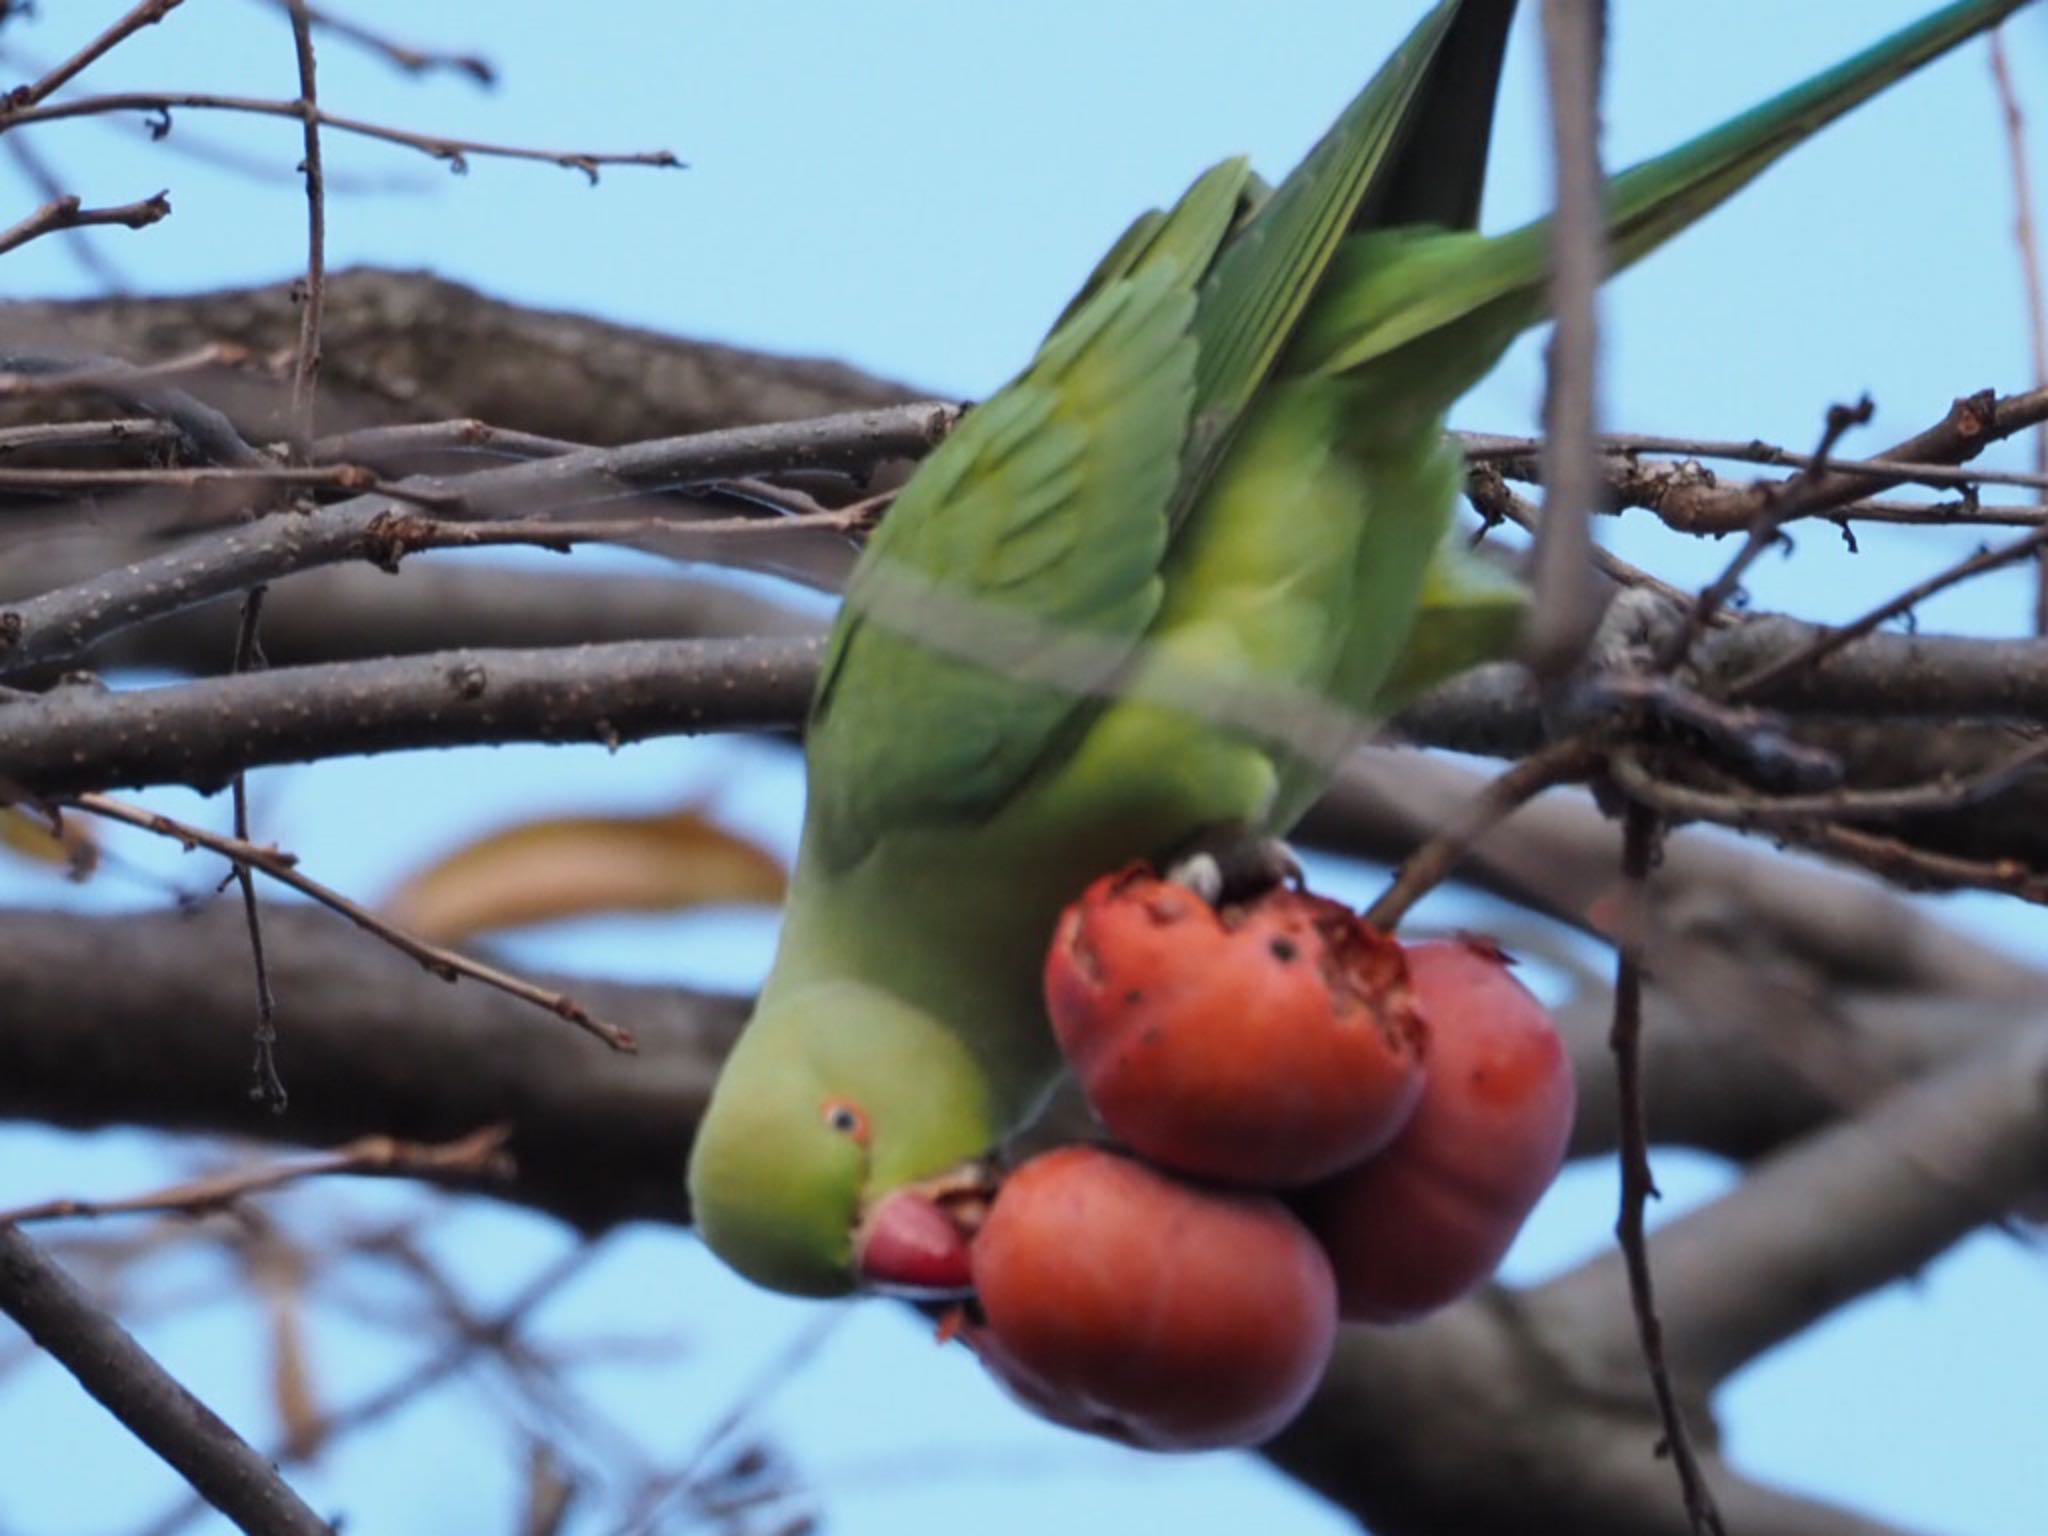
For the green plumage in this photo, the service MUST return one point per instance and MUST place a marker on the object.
(1157, 584)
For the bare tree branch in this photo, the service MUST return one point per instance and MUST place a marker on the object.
(1563, 612)
(1694, 502)
(414, 61)
(477, 1154)
(84, 249)
(2029, 252)
(455, 152)
(1898, 1186)
(1391, 1432)
(408, 346)
(62, 623)
(202, 733)
(70, 213)
(209, 433)
(145, 14)
(377, 1045)
(1556, 855)
(438, 959)
(140, 1393)
(74, 739)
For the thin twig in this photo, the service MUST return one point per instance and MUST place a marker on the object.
(65, 621)
(225, 1470)
(123, 432)
(1511, 451)
(1563, 613)
(1827, 643)
(443, 962)
(95, 374)
(1745, 810)
(406, 533)
(1898, 861)
(340, 477)
(784, 1366)
(1763, 533)
(1917, 868)
(29, 160)
(1962, 512)
(306, 365)
(406, 1388)
(414, 61)
(147, 14)
(481, 1153)
(1688, 500)
(1428, 866)
(69, 213)
(370, 443)
(2024, 241)
(455, 152)
(1640, 836)
(266, 1083)
(1492, 499)
(208, 434)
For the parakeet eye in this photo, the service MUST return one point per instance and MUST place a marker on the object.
(847, 1119)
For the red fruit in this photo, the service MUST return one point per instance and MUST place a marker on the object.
(1429, 1218)
(1270, 1043)
(1123, 1301)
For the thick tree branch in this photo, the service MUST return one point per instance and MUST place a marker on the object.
(208, 433)
(1899, 1185)
(1885, 674)
(353, 613)
(373, 1043)
(201, 733)
(1391, 1435)
(620, 691)
(411, 346)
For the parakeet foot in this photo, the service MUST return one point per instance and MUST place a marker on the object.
(1226, 864)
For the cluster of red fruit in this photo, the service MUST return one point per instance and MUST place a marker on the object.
(1325, 1123)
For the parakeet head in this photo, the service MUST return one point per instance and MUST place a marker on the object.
(844, 1124)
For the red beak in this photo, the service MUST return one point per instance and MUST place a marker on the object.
(907, 1246)
(914, 1241)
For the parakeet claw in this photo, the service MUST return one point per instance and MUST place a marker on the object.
(1231, 864)
(1200, 873)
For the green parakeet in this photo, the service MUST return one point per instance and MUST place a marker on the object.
(1152, 587)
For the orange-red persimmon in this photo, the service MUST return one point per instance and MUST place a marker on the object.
(1429, 1218)
(1269, 1043)
(1127, 1302)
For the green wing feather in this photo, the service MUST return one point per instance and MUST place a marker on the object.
(1046, 506)
(1436, 292)
(1048, 513)
(1263, 283)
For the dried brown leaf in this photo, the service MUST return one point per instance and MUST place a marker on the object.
(29, 835)
(574, 866)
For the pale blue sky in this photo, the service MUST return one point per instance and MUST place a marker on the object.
(916, 188)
